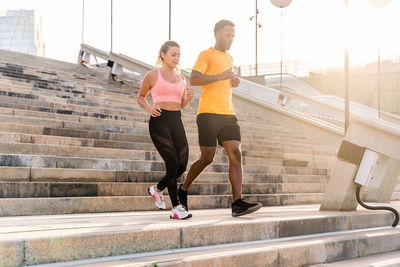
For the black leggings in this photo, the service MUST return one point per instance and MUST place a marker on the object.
(169, 137)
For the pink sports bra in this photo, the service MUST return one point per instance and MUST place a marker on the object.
(165, 91)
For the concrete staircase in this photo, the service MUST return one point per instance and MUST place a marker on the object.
(76, 161)
(71, 142)
(274, 236)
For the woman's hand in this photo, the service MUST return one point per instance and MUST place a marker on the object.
(189, 93)
(155, 111)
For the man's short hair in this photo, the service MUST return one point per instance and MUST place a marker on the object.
(221, 24)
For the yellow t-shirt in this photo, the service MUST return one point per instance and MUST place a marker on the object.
(217, 96)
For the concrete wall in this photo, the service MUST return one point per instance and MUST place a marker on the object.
(278, 115)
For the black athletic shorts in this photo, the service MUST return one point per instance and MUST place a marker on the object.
(212, 127)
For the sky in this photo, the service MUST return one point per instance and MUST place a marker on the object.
(313, 31)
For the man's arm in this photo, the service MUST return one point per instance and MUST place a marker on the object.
(197, 78)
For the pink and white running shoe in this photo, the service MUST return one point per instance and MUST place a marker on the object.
(180, 213)
(157, 196)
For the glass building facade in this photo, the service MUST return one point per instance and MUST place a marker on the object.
(20, 31)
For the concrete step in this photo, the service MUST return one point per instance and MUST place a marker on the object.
(62, 132)
(97, 82)
(121, 102)
(10, 134)
(64, 109)
(282, 236)
(20, 133)
(90, 118)
(46, 93)
(34, 62)
(20, 174)
(7, 102)
(39, 76)
(48, 161)
(117, 118)
(139, 151)
(28, 125)
(75, 109)
(141, 121)
(73, 125)
(71, 77)
(67, 84)
(82, 189)
(96, 204)
(299, 251)
(384, 259)
(139, 127)
(396, 195)
(270, 141)
(39, 139)
(65, 137)
(35, 98)
(286, 178)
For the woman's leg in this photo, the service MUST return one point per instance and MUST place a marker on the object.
(161, 136)
(181, 146)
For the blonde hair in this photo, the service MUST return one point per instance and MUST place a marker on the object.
(164, 49)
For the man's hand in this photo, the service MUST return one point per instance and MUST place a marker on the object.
(235, 81)
(229, 75)
(226, 75)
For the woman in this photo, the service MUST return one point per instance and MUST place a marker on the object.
(170, 96)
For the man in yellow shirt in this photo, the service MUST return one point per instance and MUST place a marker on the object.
(215, 117)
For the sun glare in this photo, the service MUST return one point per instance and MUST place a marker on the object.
(314, 30)
(369, 30)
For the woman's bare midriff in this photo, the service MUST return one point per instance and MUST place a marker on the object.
(173, 106)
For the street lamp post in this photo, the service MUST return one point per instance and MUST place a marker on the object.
(256, 38)
(346, 74)
(83, 19)
(257, 25)
(111, 25)
(378, 4)
(281, 4)
(169, 35)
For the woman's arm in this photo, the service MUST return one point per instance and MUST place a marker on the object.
(186, 99)
(187, 94)
(144, 91)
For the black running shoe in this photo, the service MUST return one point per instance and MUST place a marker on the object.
(182, 197)
(241, 207)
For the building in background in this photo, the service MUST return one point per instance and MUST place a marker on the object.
(21, 31)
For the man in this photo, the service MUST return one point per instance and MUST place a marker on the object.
(215, 116)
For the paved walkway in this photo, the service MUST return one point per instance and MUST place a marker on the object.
(30, 227)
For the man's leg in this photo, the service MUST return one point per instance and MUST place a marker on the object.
(232, 148)
(239, 206)
(206, 158)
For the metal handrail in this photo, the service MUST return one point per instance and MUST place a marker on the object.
(86, 51)
(278, 73)
(383, 114)
(94, 51)
(298, 96)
